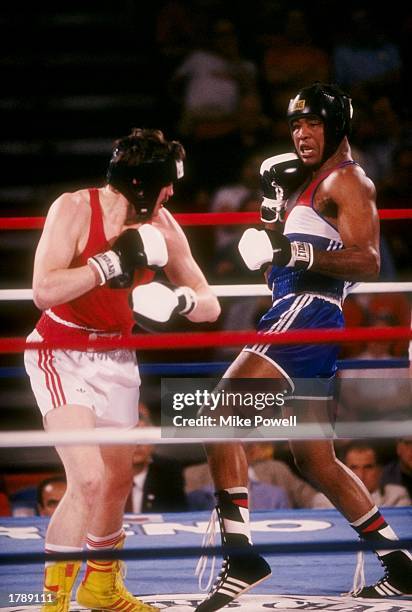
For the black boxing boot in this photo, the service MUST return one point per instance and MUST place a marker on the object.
(240, 570)
(397, 579)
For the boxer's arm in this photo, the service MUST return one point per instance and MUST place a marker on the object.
(183, 271)
(53, 282)
(358, 226)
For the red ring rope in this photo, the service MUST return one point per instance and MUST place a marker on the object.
(228, 218)
(219, 338)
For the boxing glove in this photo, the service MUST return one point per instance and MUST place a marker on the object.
(134, 248)
(156, 303)
(280, 176)
(261, 247)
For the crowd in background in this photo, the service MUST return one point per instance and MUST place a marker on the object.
(163, 484)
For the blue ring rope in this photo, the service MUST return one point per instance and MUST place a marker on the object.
(193, 551)
(218, 367)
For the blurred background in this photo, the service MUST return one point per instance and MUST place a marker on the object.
(217, 76)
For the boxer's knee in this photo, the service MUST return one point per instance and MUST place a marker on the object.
(88, 485)
(118, 483)
(313, 460)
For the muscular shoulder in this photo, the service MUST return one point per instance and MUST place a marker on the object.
(72, 208)
(349, 183)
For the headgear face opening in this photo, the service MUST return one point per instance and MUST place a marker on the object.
(141, 183)
(328, 103)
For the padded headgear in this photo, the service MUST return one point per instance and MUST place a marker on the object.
(141, 183)
(328, 103)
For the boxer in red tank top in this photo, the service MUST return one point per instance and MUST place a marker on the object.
(93, 273)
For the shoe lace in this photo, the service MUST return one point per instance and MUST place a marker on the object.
(120, 577)
(359, 581)
(208, 540)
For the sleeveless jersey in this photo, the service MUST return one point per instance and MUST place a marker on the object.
(100, 310)
(305, 224)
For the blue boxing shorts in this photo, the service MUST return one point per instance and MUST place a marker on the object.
(301, 361)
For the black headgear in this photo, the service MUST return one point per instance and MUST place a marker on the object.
(330, 104)
(140, 184)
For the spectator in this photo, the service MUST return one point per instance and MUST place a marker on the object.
(366, 57)
(239, 195)
(292, 55)
(23, 502)
(227, 260)
(177, 28)
(399, 471)
(41, 498)
(211, 82)
(362, 459)
(263, 496)
(5, 509)
(396, 192)
(379, 393)
(265, 469)
(157, 481)
(49, 493)
(256, 129)
(377, 129)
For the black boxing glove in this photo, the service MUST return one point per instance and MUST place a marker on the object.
(261, 247)
(280, 176)
(134, 248)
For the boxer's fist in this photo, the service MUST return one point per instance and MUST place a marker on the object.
(134, 248)
(280, 176)
(156, 303)
(259, 248)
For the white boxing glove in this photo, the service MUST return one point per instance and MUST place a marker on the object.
(255, 248)
(260, 247)
(154, 246)
(158, 302)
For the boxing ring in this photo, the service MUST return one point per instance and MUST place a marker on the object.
(308, 580)
(312, 552)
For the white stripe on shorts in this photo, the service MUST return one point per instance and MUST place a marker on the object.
(285, 321)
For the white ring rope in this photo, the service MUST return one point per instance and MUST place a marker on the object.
(259, 290)
(157, 435)
(243, 290)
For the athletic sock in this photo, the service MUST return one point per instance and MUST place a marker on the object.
(372, 527)
(100, 543)
(107, 542)
(233, 513)
(57, 548)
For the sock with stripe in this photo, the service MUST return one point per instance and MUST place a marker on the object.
(233, 513)
(372, 527)
(102, 587)
(107, 542)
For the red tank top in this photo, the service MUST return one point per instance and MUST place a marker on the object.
(102, 309)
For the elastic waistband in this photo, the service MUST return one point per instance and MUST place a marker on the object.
(70, 324)
(331, 299)
(294, 281)
(53, 328)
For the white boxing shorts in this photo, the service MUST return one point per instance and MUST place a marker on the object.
(107, 382)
